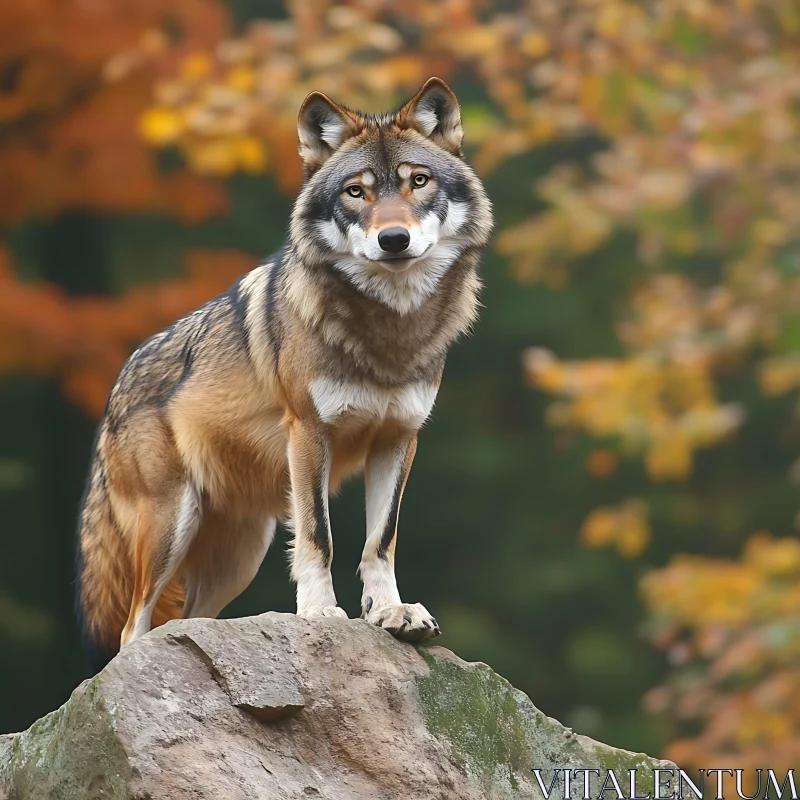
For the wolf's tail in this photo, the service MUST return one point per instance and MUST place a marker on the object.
(104, 577)
(104, 585)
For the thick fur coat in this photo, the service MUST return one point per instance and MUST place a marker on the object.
(322, 362)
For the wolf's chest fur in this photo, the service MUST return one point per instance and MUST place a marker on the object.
(254, 433)
(349, 404)
(231, 421)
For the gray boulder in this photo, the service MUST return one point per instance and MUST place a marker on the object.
(277, 707)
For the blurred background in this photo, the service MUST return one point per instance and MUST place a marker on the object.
(604, 506)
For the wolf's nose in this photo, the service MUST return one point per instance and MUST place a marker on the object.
(394, 240)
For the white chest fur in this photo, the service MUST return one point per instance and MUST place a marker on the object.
(411, 404)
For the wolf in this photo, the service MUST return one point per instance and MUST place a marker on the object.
(321, 362)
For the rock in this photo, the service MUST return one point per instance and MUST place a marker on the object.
(277, 707)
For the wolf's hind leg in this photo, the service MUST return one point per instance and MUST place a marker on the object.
(387, 468)
(223, 561)
(165, 528)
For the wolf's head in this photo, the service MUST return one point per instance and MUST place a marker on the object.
(388, 202)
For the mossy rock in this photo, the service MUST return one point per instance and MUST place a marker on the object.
(276, 707)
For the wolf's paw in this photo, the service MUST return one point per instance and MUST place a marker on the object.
(409, 621)
(312, 612)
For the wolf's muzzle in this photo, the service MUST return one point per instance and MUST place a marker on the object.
(394, 240)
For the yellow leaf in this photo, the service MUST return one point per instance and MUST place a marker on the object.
(670, 457)
(599, 528)
(535, 44)
(633, 536)
(241, 79)
(625, 525)
(160, 126)
(592, 93)
(541, 128)
(252, 154)
(196, 66)
(213, 156)
(773, 556)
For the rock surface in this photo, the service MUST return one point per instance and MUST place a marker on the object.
(277, 707)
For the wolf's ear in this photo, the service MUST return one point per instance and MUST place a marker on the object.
(323, 127)
(434, 112)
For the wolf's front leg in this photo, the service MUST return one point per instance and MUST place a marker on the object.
(387, 468)
(309, 468)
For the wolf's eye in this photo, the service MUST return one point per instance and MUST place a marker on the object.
(355, 191)
(419, 181)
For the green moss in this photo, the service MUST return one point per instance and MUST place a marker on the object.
(71, 753)
(621, 761)
(477, 714)
(498, 737)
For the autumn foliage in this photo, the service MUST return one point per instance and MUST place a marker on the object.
(84, 341)
(69, 138)
(685, 116)
(731, 632)
(74, 77)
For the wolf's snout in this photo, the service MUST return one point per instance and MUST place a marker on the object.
(394, 240)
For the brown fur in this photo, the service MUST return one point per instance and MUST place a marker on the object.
(213, 425)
